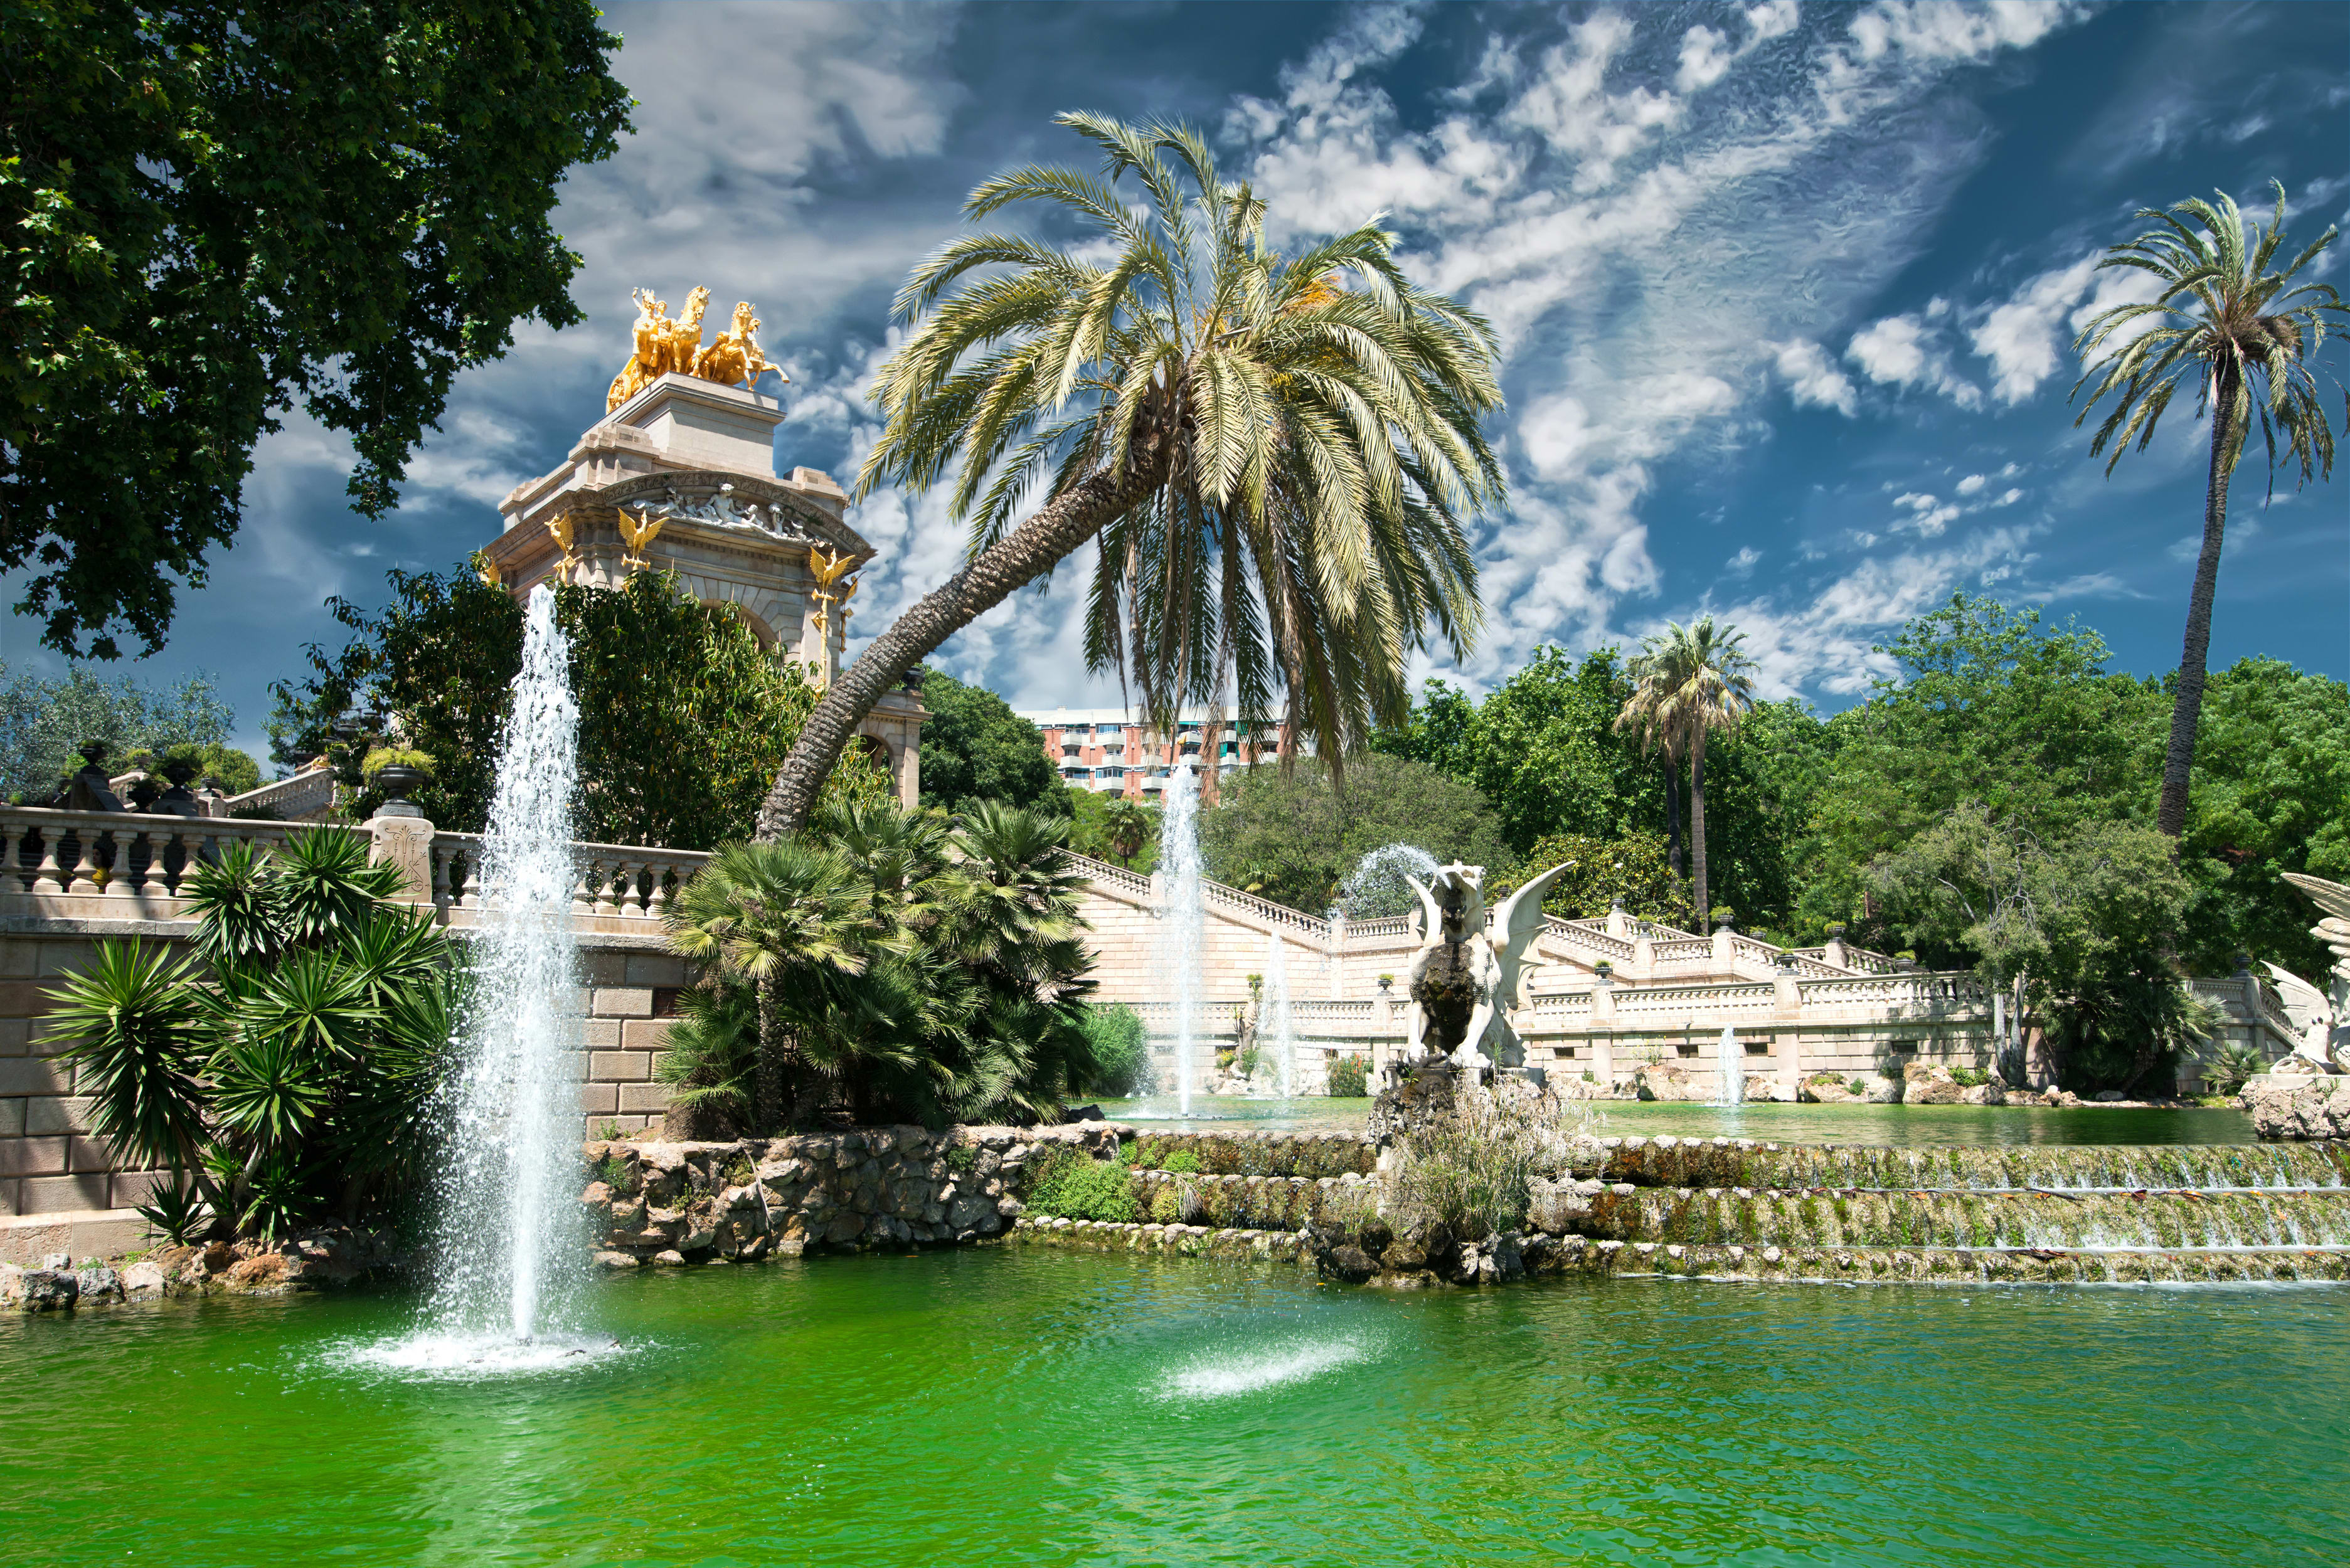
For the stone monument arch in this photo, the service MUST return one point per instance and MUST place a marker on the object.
(679, 475)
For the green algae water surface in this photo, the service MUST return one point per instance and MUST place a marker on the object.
(1008, 1406)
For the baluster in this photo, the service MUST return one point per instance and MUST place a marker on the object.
(85, 864)
(583, 894)
(606, 872)
(632, 893)
(46, 877)
(657, 893)
(131, 857)
(442, 862)
(471, 899)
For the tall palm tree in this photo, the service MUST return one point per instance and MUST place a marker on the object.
(2231, 324)
(1639, 718)
(1279, 453)
(1689, 682)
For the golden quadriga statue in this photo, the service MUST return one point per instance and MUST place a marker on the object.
(662, 347)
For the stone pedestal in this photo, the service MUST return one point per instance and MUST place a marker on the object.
(405, 840)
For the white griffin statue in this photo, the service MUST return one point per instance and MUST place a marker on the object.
(1464, 978)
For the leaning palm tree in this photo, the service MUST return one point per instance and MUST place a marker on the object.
(1280, 454)
(1690, 681)
(2232, 326)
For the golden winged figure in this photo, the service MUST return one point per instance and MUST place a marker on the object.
(829, 566)
(561, 529)
(635, 533)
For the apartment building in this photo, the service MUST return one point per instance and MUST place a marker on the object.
(1107, 750)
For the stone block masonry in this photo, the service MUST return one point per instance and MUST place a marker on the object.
(752, 1198)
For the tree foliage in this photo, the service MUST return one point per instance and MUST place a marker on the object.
(216, 213)
(683, 717)
(975, 748)
(1600, 871)
(1292, 836)
(44, 724)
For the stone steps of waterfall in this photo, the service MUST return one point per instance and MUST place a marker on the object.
(1542, 1255)
(1257, 1202)
(1670, 1161)
(1865, 1218)
(1260, 1153)
(1937, 1265)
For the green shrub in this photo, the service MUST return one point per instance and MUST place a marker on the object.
(1858, 1086)
(613, 1172)
(1181, 1162)
(961, 1159)
(1349, 1078)
(1165, 1206)
(1970, 1077)
(1120, 1049)
(2226, 1073)
(1072, 1187)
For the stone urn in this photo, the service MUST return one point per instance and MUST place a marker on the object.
(177, 801)
(395, 781)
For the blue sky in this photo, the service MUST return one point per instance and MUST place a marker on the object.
(1787, 294)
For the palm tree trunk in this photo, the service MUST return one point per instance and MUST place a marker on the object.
(1697, 833)
(1673, 814)
(2187, 707)
(1059, 526)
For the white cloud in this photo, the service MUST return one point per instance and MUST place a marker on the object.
(1970, 483)
(1952, 30)
(1907, 351)
(2020, 336)
(1705, 60)
(1742, 563)
(1813, 378)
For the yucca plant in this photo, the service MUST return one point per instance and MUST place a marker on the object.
(2245, 337)
(299, 1055)
(1280, 453)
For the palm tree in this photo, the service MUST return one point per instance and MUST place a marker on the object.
(1689, 682)
(1639, 718)
(1129, 821)
(2225, 320)
(1279, 453)
(768, 914)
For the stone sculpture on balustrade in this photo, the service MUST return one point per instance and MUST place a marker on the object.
(2326, 1048)
(1464, 978)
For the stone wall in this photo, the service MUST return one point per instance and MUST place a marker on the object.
(751, 1198)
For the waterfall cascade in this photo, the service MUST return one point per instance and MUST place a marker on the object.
(1376, 887)
(508, 1256)
(1185, 919)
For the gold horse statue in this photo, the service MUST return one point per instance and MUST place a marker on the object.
(659, 346)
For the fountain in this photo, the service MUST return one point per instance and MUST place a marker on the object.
(1380, 882)
(508, 1254)
(1274, 1022)
(1178, 865)
(1733, 1069)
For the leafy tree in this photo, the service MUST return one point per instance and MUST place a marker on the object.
(975, 748)
(1114, 827)
(892, 966)
(283, 1075)
(1539, 748)
(1121, 1051)
(1279, 453)
(2272, 795)
(683, 717)
(1292, 837)
(2232, 328)
(44, 724)
(1989, 705)
(2089, 921)
(1688, 682)
(1636, 868)
(213, 213)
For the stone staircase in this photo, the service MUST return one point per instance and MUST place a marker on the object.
(1738, 1209)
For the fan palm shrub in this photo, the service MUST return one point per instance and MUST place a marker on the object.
(886, 965)
(2243, 335)
(1687, 682)
(1280, 453)
(284, 1072)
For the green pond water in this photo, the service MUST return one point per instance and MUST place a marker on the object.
(1898, 1126)
(1017, 1406)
